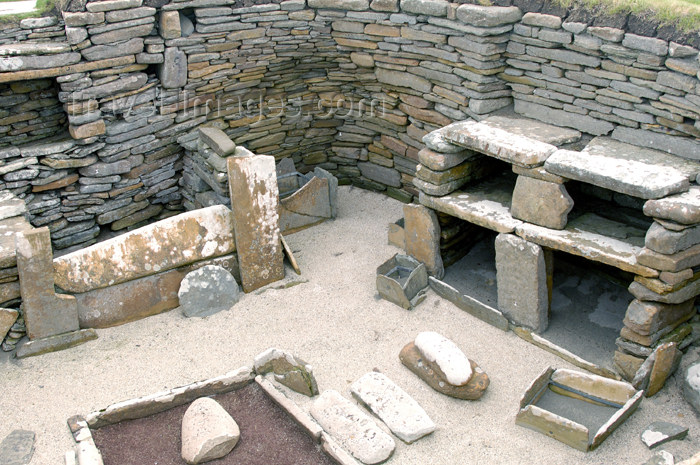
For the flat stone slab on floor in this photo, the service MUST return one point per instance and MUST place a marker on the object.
(17, 448)
(498, 143)
(352, 428)
(55, 343)
(625, 168)
(396, 408)
(586, 236)
(543, 132)
(486, 205)
(661, 432)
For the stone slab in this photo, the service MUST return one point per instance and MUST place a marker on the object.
(533, 129)
(8, 316)
(288, 370)
(422, 237)
(691, 385)
(300, 416)
(208, 431)
(662, 240)
(55, 343)
(540, 202)
(661, 432)
(397, 409)
(498, 143)
(582, 237)
(217, 140)
(17, 448)
(255, 201)
(352, 428)
(486, 204)
(683, 208)
(207, 290)
(523, 292)
(307, 206)
(668, 358)
(686, 147)
(618, 173)
(646, 318)
(45, 312)
(678, 261)
(679, 296)
(167, 244)
(470, 305)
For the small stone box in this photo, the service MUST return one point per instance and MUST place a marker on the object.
(578, 409)
(402, 280)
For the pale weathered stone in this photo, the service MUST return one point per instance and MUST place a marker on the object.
(495, 142)
(173, 71)
(691, 385)
(541, 202)
(169, 25)
(678, 261)
(661, 432)
(45, 312)
(288, 370)
(425, 7)
(8, 316)
(255, 198)
(487, 205)
(109, 5)
(488, 16)
(217, 140)
(55, 343)
(646, 318)
(351, 5)
(422, 237)
(437, 142)
(208, 431)
(533, 129)
(523, 293)
(161, 246)
(17, 448)
(434, 377)
(443, 161)
(619, 173)
(667, 360)
(683, 208)
(662, 240)
(352, 428)
(207, 290)
(397, 409)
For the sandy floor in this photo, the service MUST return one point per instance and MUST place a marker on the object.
(336, 322)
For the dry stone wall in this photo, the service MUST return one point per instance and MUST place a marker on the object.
(101, 103)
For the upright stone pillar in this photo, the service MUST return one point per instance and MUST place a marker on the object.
(45, 312)
(522, 280)
(255, 203)
(422, 235)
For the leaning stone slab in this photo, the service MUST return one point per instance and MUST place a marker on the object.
(398, 410)
(486, 204)
(352, 428)
(541, 202)
(668, 358)
(167, 244)
(45, 312)
(422, 236)
(497, 143)
(289, 371)
(55, 343)
(208, 432)
(255, 202)
(17, 448)
(523, 291)
(683, 208)
(691, 385)
(207, 290)
(8, 316)
(621, 174)
(661, 432)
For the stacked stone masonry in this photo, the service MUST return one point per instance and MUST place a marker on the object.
(101, 105)
(533, 221)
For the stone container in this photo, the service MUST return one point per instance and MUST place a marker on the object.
(578, 409)
(402, 280)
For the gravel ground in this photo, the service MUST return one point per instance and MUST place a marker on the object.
(334, 320)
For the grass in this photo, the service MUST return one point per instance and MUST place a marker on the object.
(42, 6)
(684, 14)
